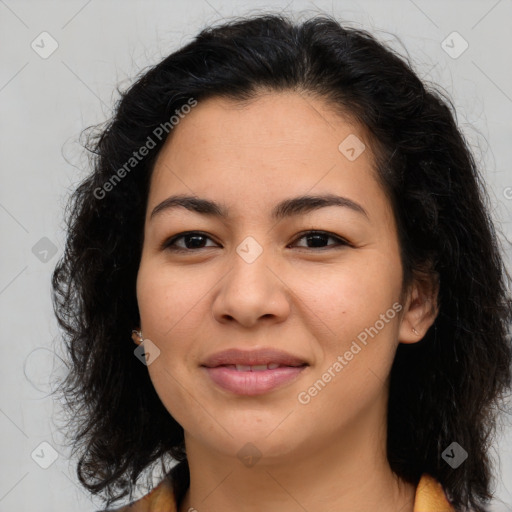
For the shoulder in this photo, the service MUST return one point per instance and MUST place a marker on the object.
(160, 499)
(430, 496)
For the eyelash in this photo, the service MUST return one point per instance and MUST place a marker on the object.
(168, 244)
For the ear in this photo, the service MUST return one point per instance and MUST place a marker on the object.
(137, 336)
(421, 308)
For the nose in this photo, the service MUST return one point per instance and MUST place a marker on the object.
(251, 293)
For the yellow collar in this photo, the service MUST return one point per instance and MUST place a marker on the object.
(430, 497)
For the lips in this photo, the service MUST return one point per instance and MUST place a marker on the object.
(253, 372)
(253, 358)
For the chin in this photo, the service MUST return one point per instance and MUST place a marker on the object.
(262, 448)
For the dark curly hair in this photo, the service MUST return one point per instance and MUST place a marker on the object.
(445, 388)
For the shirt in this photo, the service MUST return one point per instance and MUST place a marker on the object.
(430, 497)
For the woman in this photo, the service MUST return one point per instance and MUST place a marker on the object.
(293, 231)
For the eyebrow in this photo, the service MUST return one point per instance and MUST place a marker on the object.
(287, 208)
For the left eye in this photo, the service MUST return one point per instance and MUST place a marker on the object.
(194, 240)
(319, 236)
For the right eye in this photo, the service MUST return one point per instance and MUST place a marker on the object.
(192, 240)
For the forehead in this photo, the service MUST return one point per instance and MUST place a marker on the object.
(257, 152)
(276, 121)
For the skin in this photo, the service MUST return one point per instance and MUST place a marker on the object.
(311, 302)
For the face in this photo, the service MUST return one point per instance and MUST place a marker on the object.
(257, 278)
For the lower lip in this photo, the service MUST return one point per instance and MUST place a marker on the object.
(252, 383)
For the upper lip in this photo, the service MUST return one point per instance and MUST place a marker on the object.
(253, 358)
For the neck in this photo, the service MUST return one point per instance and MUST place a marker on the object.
(349, 473)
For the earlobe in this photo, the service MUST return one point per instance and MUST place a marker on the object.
(421, 310)
(137, 336)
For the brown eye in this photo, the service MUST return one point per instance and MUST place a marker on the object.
(191, 240)
(319, 238)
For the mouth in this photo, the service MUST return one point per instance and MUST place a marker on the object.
(257, 367)
(253, 360)
(252, 382)
(254, 372)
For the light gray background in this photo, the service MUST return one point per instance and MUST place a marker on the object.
(46, 102)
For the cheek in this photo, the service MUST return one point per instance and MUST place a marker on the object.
(351, 296)
(166, 298)
(153, 299)
(355, 316)
(169, 319)
(172, 307)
